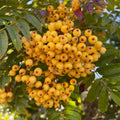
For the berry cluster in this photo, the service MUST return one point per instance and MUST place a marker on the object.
(65, 49)
(5, 96)
(48, 92)
(61, 12)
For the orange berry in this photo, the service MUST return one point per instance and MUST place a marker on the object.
(12, 73)
(29, 62)
(92, 39)
(32, 79)
(77, 32)
(47, 80)
(88, 33)
(82, 39)
(15, 68)
(45, 87)
(24, 78)
(17, 78)
(37, 71)
(103, 50)
(65, 84)
(9, 94)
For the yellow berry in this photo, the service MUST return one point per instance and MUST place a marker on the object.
(17, 78)
(103, 50)
(37, 71)
(64, 28)
(73, 81)
(29, 62)
(45, 87)
(50, 8)
(98, 44)
(65, 84)
(92, 39)
(22, 71)
(88, 33)
(81, 47)
(15, 68)
(38, 84)
(12, 73)
(24, 78)
(9, 94)
(82, 39)
(77, 32)
(32, 79)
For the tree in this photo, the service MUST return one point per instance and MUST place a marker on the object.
(42, 75)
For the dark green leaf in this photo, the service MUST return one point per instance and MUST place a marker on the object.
(111, 4)
(105, 20)
(92, 94)
(54, 116)
(24, 27)
(21, 102)
(3, 43)
(111, 69)
(3, 80)
(115, 96)
(118, 34)
(107, 57)
(15, 37)
(72, 113)
(88, 80)
(34, 21)
(103, 100)
(114, 27)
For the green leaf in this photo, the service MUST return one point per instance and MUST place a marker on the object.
(118, 34)
(34, 21)
(15, 37)
(105, 20)
(107, 70)
(24, 27)
(103, 100)
(88, 80)
(114, 78)
(21, 102)
(92, 94)
(91, 19)
(3, 80)
(55, 115)
(111, 4)
(3, 43)
(107, 57)
(72, 113)
(115, 96)
(114, 27)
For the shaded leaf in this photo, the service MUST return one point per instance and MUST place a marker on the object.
(107, 70)
(114, 27)
(88, 80)
(103, 100)
(24, 27)
(115, 96)
(111, 4)
(3, 80)
(107, 57)
(3, 43)
(55, 115)
(15, 37)
(34, 21)
(92, 94)
(105, 20)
